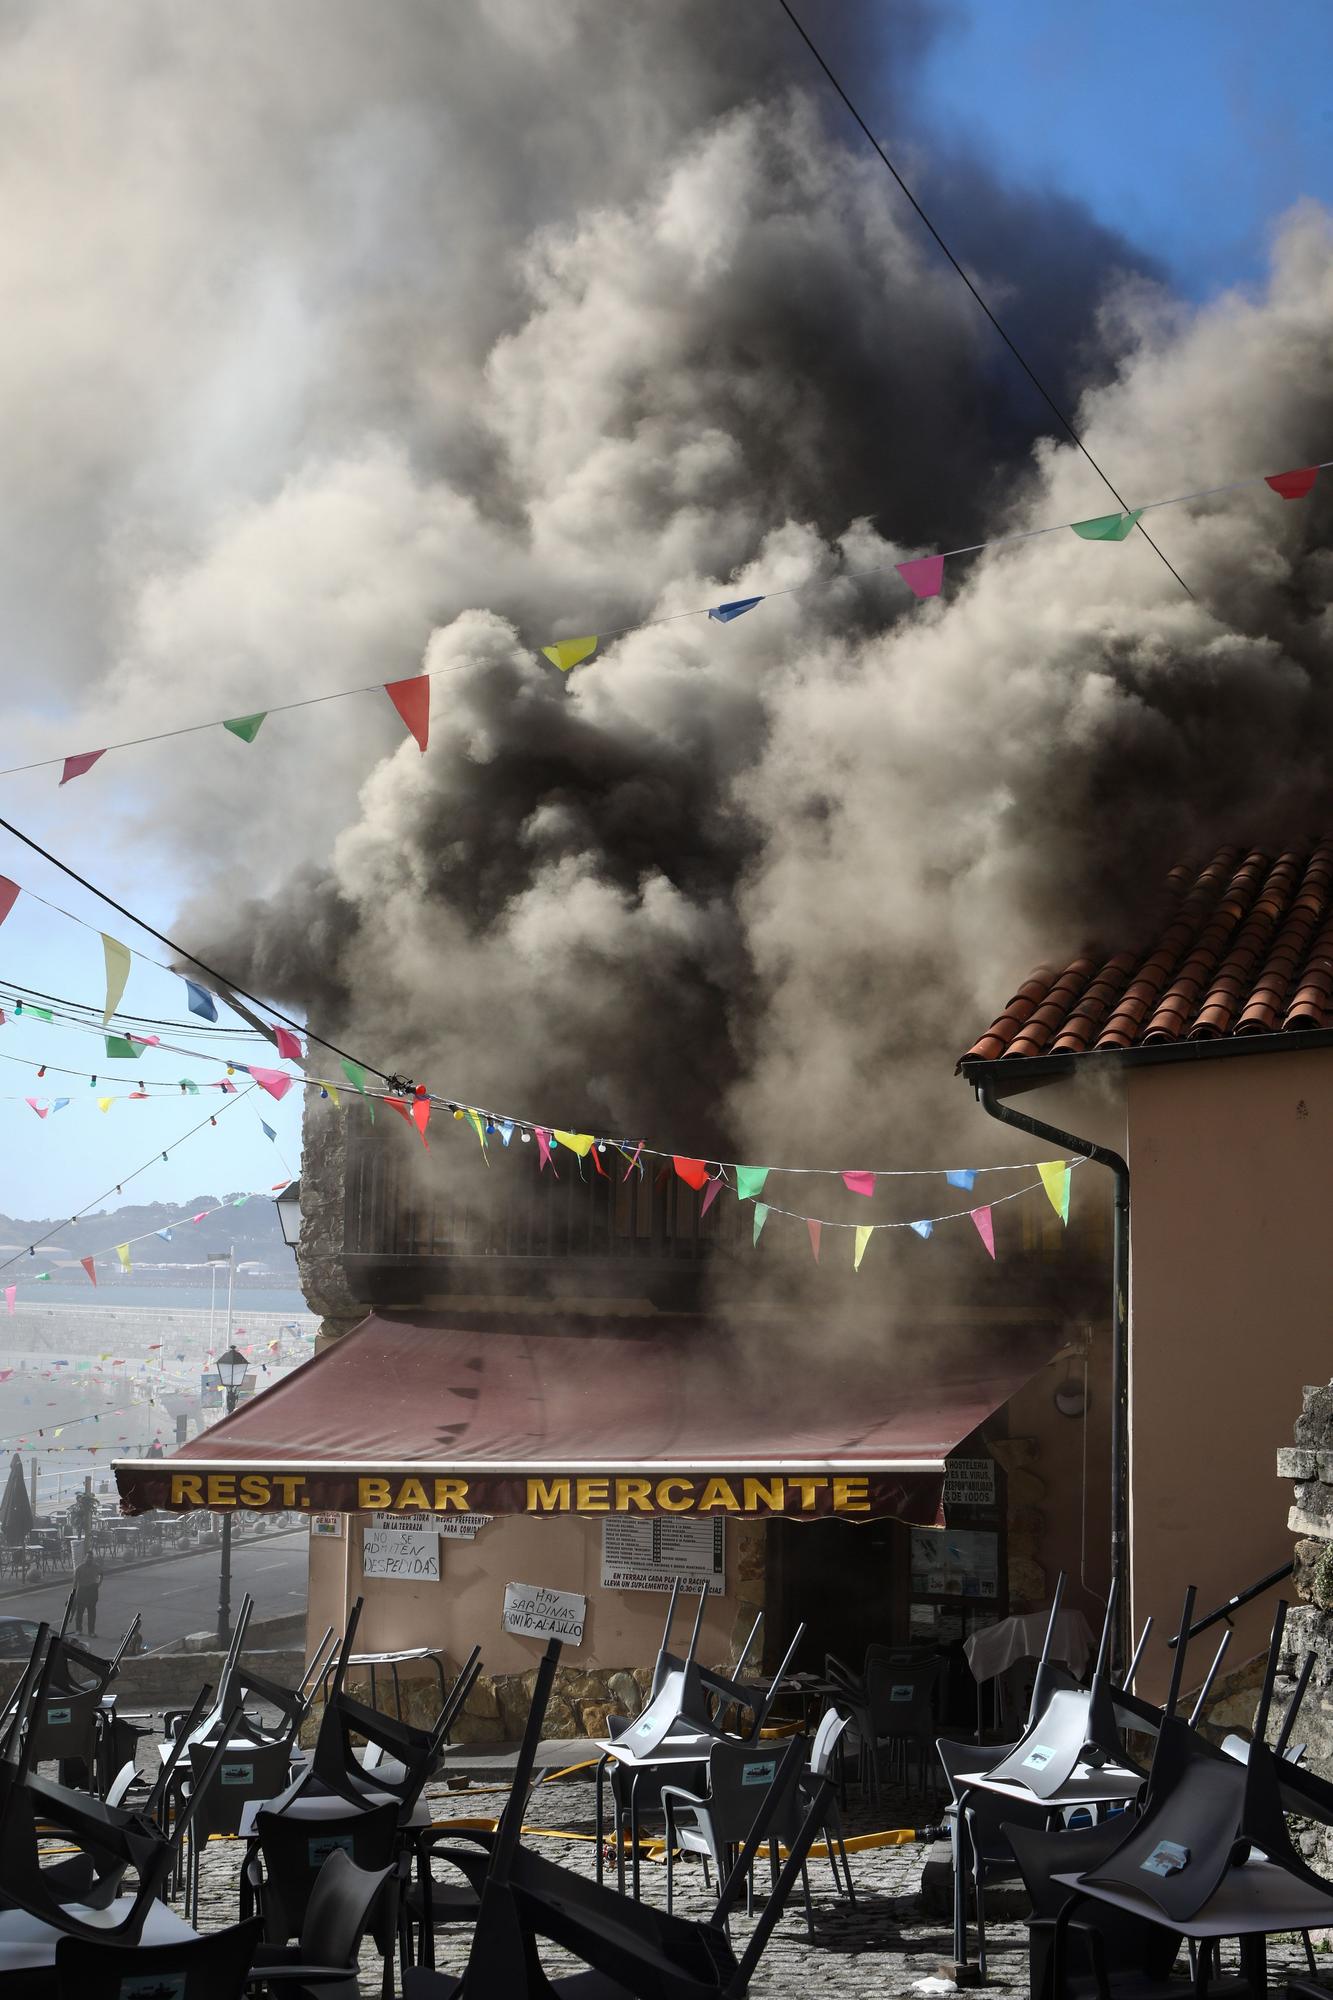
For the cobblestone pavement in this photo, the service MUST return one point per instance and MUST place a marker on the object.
(880, 1946)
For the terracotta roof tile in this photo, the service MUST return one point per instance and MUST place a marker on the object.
(1246, 948)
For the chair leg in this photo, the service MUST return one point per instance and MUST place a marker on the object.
(809, 1912)
(1309, 1954)
(979, 1881)
(670, 1853)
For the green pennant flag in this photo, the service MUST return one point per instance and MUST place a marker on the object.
(189, 1086)
(117, 1045)
(1106, 527)
(33, 1013)
(760, 1218)
(750, 1181)
(356, 1076)
(246, 726)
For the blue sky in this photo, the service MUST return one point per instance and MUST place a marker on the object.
(1190, 125)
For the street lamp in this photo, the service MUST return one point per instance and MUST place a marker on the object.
(231, 1367)
(288, 1206)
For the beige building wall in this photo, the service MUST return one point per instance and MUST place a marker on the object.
(1231, 1314)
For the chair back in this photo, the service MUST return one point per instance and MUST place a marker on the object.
(339, 1909)
(418, 1752)
(247, 1771)
(825, 1745)
(65, 1726)
(295, 1847)
(1132, 1944)
(987, 1813)
(902, 1698)
(739, 1778)
(203, 1968)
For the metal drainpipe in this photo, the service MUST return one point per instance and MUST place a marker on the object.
(1119, 1332)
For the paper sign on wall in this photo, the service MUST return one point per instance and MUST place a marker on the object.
(327, 1524)
(650, 1552)
(406, 1557)
(461, 1527)
(969, 1482)
(533, 1612)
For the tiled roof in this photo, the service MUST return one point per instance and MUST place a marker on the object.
(1247, 949)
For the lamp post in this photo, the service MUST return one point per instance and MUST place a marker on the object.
(231, 1368)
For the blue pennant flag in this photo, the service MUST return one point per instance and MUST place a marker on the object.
(60, 1104)
(201, 1001)
(724, 613)
(923, 1228)
(165, 1234)
(962, 1177)
(268, 1130)
(505, 1127)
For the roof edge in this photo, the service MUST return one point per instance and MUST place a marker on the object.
(1028, 1072)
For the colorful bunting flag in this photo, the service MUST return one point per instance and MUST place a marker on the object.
(985, 1227)
(117, 972)
(246, 726)
(962, 1177)
(860, 1183)
(923, 576)
(1106, 527)
(711, 1193)
(693, 1172)
(40, 1109)
(750, 1182)
(74, 767)
(1293, 485)
(268, 1132)
(760, 1218)
(567, 653)
(923, 1228)
(165, 1234)
(289, 1045)
(105, 1103)
(123, 1252)
(200, 1001)
(121, 1049)
(8, 896)
(26, 1008)
(421, 1119)
(412, 700)
(275, 1081)
(505, 1127)
(189, 1086)
(1055, 1176)
(863, 1236)
(543, 1138)
(474, 1118)
(577, 1142)
(60, 1104)
(355, 1075)
(724, 613)
(816, 1230)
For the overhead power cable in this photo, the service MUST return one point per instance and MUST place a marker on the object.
(1014, 349)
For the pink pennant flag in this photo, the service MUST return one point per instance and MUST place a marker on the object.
(1293, 485)
(924, 576)
(635, 1161)
(8, 896)
(228, 1088)
(693, 1172)
(40, 1109)
(9, 1296)
(289, 1045)
(714, 1188)
(421, 1118)
(200, 1217)
(860, 1183)
(543, 1138)
(146, 1041)
(412, 700)
(275, 1081)
(89, 1267)
(816, 1231)
(76, 766)
(985, 1227)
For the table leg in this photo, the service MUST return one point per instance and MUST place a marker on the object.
(1254, 1962)
(959, 1893)
(600, 1782)
(634, 1832)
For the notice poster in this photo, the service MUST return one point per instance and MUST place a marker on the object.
(955, 1562)
(406, 1555)
(650, 1552)
(969, 1482)
(462, 1527)
(327, 1524)
(459, 1527)
(531, 1611)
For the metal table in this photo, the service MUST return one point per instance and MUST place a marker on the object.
(28, 1946)
(392, 1661)
(678, 1754)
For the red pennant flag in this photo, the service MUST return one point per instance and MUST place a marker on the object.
(1293, 485)
(8, 896)
(421, 1118)
(76, 766)
(412, 700)
(397, 1104)
(924, 577)
(597, 1163)
(693, 1172)
(289, 1044)
(711, 1196)
(90, 1268)
(816, 1231)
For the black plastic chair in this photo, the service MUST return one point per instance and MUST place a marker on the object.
(715, 1823)
(287, 1852)
(1107, 1951)
(322, 1964)
(205, 1968)
(978, 1835)
(247, 1771)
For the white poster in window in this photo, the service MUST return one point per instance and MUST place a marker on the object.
(955, 1562)
(406, 1557)
(649, 1552)
(531, 1611)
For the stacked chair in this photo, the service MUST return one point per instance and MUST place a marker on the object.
(78, 1727)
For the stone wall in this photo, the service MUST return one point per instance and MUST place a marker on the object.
(1308, 1463)
(323, 1227)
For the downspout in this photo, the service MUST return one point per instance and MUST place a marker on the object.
(1104, 1157)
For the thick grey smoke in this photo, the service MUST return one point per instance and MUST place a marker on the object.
(402, 340)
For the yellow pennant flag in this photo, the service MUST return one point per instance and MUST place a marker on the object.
(1055, 1180)
(566, 653)
(105, 1103)
(863, 1236)
(332, 1091)
(117, 972)
(123, 1252)
(478, 1128)
(577, 1142)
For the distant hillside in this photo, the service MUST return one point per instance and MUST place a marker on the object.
(253, 1228)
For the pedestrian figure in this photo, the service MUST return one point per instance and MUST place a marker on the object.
(87, 1583)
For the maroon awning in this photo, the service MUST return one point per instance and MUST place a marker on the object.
(502, 1413)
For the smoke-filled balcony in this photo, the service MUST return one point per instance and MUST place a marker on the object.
(418, 1224)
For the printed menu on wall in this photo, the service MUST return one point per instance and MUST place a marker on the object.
(649, 1552)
